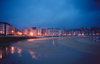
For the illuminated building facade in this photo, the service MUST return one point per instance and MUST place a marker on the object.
(53, 32)
(7, 29)
(34, 31)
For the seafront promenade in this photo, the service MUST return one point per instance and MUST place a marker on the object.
(6, 39)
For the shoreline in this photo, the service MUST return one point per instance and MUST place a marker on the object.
(6, 39)
(81, 44)
(13, 39)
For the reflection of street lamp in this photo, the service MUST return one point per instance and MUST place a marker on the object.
(0, 54)
(12, 49)
(19, 50)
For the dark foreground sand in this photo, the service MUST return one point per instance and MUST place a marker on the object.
(53, 50)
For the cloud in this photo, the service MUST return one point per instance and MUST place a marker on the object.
(51, 12)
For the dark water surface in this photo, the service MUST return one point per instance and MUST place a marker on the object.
(43, 51)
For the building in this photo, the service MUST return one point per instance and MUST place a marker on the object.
(7, 29)
(84, 31)
(53, 32)
(34, 31)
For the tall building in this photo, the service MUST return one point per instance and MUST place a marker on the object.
(7, 29)
(2, 28)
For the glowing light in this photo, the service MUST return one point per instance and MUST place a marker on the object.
(1, 32)
(12, 49)
(69, 34)
(31, 34)
(30, 40)
(46, 29)
(79, 34)
(33, 54)
(6, 50)
(19, 50)
(39, 33)
(12, 31)
(97, 33)
(64, 34)
(19, 33)
(53, 43)
(82, 34)
(0, 54)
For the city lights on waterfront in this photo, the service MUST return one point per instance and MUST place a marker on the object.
(35, 31)
(49, 31)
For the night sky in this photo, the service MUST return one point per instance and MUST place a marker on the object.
(51, 13)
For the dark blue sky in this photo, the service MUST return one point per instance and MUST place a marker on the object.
(51, 13)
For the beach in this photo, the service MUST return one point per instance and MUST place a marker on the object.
(52, 50)
(82, 44)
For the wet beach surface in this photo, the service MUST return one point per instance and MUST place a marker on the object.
(53, 50)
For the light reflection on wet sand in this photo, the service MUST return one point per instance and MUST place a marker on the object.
(31, 40)
(53, 43)
(12, 50)
(44, 51)
(32, 53)
(0, 54)
(19, 51)
(15, 50)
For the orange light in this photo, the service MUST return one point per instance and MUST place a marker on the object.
(6, 50)
(69, 34)
(30, 40)
(19, 33)
(12, 49)
(19, 50)
(38, 33)
(97, 33)
(12, 31)
(0, 54)
(31, 34)
(33, 54)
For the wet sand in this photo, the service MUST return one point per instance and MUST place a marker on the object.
(53, 50)
(82, 44)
